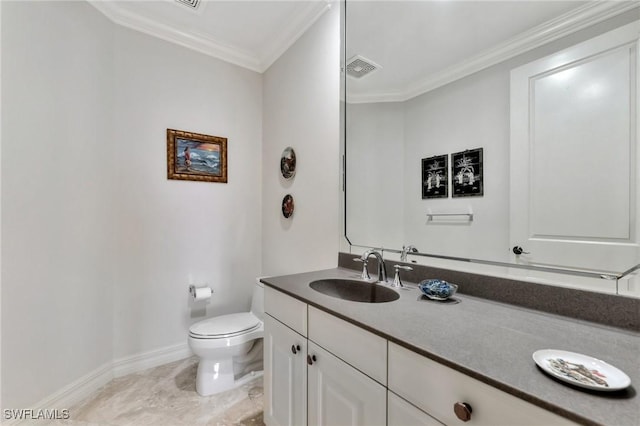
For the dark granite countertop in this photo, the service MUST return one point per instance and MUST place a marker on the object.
(492, 342)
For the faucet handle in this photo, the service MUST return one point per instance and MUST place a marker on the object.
(365, 272)
(397, 282)
(403, 267)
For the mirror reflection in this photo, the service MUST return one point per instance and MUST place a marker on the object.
(539, 96)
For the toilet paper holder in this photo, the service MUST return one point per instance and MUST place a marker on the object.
(192, 290)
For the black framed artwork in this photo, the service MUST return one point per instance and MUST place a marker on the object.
(435, 179)
(467, 174)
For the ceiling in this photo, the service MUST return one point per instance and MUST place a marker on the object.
(422, 45)
(248, 33)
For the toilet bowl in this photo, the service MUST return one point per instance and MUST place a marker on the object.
(229, 347)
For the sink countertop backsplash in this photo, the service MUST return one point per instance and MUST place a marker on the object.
(493, 340)
(607, 309)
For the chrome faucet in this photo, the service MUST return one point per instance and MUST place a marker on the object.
(406, 250)
(382, 270)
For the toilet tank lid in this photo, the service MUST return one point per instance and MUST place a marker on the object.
(225, 324)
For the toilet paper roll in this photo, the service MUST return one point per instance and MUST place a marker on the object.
(201, 293)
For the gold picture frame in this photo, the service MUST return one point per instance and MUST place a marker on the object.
(195, 156)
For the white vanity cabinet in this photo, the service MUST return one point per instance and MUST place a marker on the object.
(322, 370)
(285, 375)
(285, 360)
(347, 373)
(358, 347)
(309, 382)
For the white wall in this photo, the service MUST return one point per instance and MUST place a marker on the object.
(386, 143)
(98, 246)
(172, 230)
(376, 157)
(301, 110)
(58, 167)
(471, 113)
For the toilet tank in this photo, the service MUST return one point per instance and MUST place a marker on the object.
(257, 300)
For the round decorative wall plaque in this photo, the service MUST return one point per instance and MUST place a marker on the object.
(288, 163)
(287, 206)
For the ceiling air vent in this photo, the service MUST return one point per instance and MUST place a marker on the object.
(358, 66)
(192, 4)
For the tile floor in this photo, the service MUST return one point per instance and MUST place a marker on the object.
(166, 395)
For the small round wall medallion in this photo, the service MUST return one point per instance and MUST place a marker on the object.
(287, 206)
(288, 163)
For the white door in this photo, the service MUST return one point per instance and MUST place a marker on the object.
(341, 395)
(574, 155)
(285, 375)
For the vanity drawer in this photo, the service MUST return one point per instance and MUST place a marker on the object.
(362, 349)
(435, 389)
(286, 309)
(401, 413)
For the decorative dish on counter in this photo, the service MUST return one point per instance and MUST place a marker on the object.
(437, 289)
(581, 370)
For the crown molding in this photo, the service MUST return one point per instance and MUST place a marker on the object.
(189, 40)
(578, 19)
(296, 28)
(206, 45)
(372, 98)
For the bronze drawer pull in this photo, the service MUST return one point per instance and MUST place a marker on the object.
(463, 411)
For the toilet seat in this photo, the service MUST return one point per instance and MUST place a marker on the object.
(225, 326)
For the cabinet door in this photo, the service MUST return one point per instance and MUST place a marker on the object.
(285, 375)
(341, 395)
(401, 413)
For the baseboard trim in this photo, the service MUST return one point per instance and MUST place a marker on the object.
(72, 393)
(142, 361)
(81, 388)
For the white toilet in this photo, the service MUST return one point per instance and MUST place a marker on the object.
(229, 347)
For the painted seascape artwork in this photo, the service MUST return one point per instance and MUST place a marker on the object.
(197, 157)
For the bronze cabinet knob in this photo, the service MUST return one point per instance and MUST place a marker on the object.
(463, 411)
(295, 349)
(311, 359)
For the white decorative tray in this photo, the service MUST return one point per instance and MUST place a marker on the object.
(581, 370)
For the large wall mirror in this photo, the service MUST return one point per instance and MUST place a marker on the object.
(498, 133)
